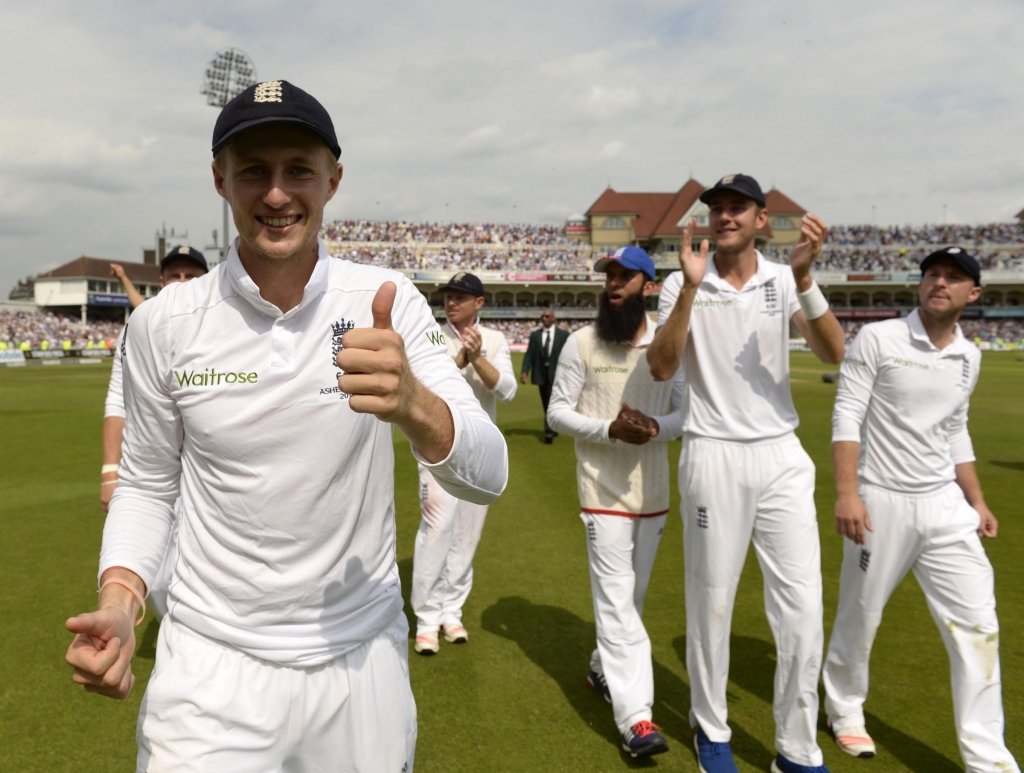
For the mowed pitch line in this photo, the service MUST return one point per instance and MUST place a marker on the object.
(515, 698)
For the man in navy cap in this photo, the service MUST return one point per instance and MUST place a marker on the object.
(743, 474)
(265, 393)
(450, 529)
(908, 499)
(605, 397)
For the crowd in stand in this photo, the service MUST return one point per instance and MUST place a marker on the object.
(35, 327)
(895, 259)
(460, 233)
(990, 330)
(939, 235)
(469, 258)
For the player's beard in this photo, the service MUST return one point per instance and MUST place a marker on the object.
(620, 325)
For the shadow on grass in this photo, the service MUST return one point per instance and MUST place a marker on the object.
(560, 643)
(405, 575)
(146, 646)
(1019, 466)
(537, 433)
(752, 667)
(752, 663)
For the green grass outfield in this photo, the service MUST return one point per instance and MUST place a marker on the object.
(515, 698)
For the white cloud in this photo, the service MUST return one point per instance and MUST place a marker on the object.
(611, 149)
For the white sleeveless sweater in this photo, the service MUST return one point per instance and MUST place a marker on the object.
(620, 478)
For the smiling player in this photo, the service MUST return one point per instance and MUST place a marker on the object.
(743, 474)
(908, 498)
(285, 646)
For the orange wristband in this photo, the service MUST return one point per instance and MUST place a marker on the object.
(135, 592)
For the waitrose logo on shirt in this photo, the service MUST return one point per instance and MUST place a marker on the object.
(213, 377)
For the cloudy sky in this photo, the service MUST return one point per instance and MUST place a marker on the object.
(504, 111)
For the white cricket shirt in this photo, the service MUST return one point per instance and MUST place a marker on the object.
(286, 545)
(494, 348)
(905, 401)
(736, 363)
(114, 404)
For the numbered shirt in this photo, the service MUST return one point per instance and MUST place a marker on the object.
(286, 542)
(493, 348)
(905, 401)
(736, 363)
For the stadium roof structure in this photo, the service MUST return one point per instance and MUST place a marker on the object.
(99, 268)
(662, 214)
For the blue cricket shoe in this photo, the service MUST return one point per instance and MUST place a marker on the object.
(713, 757)
(781, 765)
(643, 740)
(597, 681)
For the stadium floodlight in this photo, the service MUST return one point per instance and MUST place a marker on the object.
(227, 75)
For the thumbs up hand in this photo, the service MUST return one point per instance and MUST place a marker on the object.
(376, 371)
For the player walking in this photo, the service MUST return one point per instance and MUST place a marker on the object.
(908, 498)
(605, 397)
(450, 528)
(181, 264)
(263, 394)
(743, 473)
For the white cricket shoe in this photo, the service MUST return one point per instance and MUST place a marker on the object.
(853, 740)
(426, 643)
(455, 633)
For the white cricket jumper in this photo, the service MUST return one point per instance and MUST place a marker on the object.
(744, 477)
(450, 528)
(905, 401)
(623, 492)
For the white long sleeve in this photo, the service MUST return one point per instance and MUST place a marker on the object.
(906, 402)
(565, 395)
(505, 389)
(286, 540)
(114, 404)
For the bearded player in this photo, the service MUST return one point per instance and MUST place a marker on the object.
(743, 474)
(605, 397)
(450, 528)
(908, 499)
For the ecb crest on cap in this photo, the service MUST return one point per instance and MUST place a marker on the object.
(459, 276)
(727, 180)
(183, 251)
(953, 250)
(268, 92)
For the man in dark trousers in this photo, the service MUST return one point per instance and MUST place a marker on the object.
(541, 360)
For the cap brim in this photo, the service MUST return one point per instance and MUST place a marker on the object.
(707, 195)
(335, 149)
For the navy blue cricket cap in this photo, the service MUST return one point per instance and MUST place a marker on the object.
(464, 282)
(961, 257)
(743, 184)
(184, 253)
(273, 102)
(633, 258)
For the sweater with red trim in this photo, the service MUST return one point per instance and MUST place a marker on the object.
(620, 478)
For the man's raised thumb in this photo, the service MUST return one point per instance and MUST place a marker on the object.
(383, 302)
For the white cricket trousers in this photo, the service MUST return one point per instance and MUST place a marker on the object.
(442, 567)
(621, 552)
(935, 536)
(733, 492)
(211, 708)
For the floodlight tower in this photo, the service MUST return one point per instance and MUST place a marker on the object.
(228, 74)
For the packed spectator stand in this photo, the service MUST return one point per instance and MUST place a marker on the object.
(44, 330)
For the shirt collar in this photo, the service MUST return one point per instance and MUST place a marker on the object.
(919, 334)
(248, 289)
(761, 276)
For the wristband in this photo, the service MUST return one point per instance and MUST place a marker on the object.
(813, 302)
(110, 468)
(108, 483)
(135, 592)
